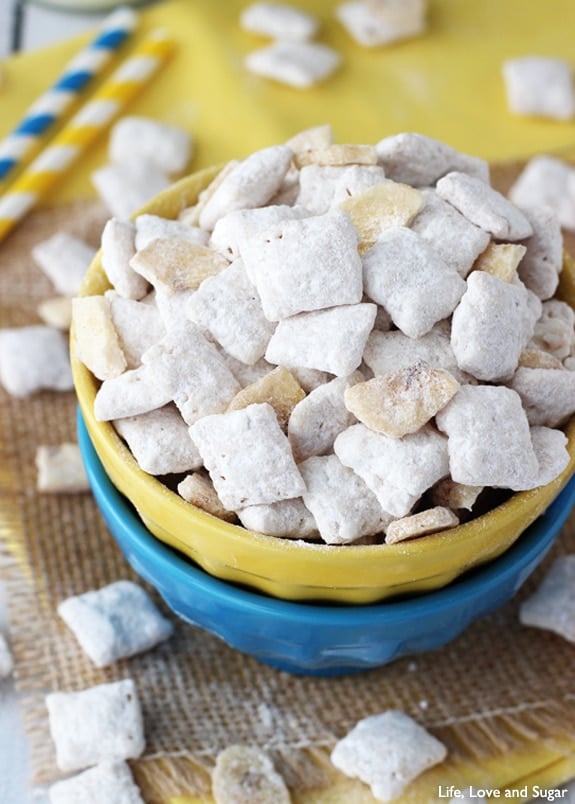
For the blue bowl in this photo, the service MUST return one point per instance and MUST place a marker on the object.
(320, 639)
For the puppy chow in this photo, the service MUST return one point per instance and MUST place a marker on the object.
(279, 21)
(404, 274)
(431, 520)
(532, 357)
(324, 186)
(310, 378)
(199, 490)
(125, 187)
(235, 228)
(330, 340)
(303, 265)
(173, 309)
(501, 260)
(384, 206)
(64, 259)
(279, 389)
(337, 154)
(554, 330)
(132, 138)
(540, 86)
(96, 341)
(138, 326)
(552, 605)
(56, 312)
(98, 724)
(108, 781)
(153, 227)
(456, 496)
(6, 661)
(33, 359)
(372, 23)
(289, 519)
(245, 374)
(245, 774)
(387, 751)
(548, 395)
(540, 267)
(311, 138)
(298, 64)
(171, 265)
(550, 447)
(118, 248)
(547, 181)
(60, 469)
(134, 392)
(263, 471)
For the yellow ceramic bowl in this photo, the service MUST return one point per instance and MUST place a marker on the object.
(291, 569)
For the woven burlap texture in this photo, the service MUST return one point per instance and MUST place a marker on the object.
(496, 690)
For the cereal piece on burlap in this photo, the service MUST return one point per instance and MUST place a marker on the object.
(153, 227)
(489, 441)
(231, 231)
(167, 147)
(279, 21)
(6, 661)
(114, 622)
(98, 724)
(539, 269)
(279, 388)
(250, 183)
(550, 447)
(457, 241)
(56, 312)
(397, 470)
(138, 325)
(554, 331)
(401, 402)
(382, 207)
(125, 188)
(118, 248)
(64, 259)
(372, 23)
(548, 395)
(501, 260)
(60, 469)
(298, 64)
(552, 605)
(484, 206)
(33, 359)
(489, 327)
(449, 494)
(311, 138)
(175, 264)
(337, 154)
(405, 275)
(199, 490)
(248, 457)
(387, 752)
(547, 181)
(159, 441)
(539, 86)
(391, 351)
(331, 340)
(431, 520)
(245, 774)
(537, 358)
(420, 161)
(318, 419)
(303, 265)
(96, 342)
(227, 305)
(344, 508)
(322, 187)
(288, 519)
(109, 781)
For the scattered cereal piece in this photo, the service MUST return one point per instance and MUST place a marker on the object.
(125, 188)
(343, 507)
(330, 340)
(152, 227)
(501, 260)
(337, 154)
(245, 774)
(399, 403)
(250, 183)
(381, 207)
(489, 439)
(540, 267)
(138, 325)
(387, 751)
(279, 389)
(297, 64)
(378, 22)
(552, 605)
(547, 181)
(56, 312)
(457, 496)
(159, 441)
(96, 342)
(173, 265)
(109, 781)
(324, 186)
(33, 359)
(114, 622)
(118, 248)
(168, 148)
(423, 523)
(288, 519)
(261, 471)
(484, 206)
(102, 723)
(6, 661)
(548, 395)
(278, 21)
(540, 86)
(61, 469)
(420, 161)
(64, 259)
(404, 274)
(199, 490)
(397, 470)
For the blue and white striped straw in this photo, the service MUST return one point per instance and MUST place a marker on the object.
(54, 103)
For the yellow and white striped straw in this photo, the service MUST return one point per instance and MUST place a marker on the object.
(83, 129)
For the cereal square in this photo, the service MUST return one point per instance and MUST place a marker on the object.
(33, 359)
(60, 469)
(108, 782)
(548, 395)
(297, 64)
(288, 519)
(64, 259)
(324, 186)
(278, 21)
(118, 248)
(540, 86)
(142, 139)
(372, 23)
(547, 181)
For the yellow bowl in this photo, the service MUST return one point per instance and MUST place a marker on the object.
(294, 570)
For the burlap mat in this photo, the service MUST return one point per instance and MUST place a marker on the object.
(500, 696)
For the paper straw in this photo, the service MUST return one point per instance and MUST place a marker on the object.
(53, 104)
(83, 129)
